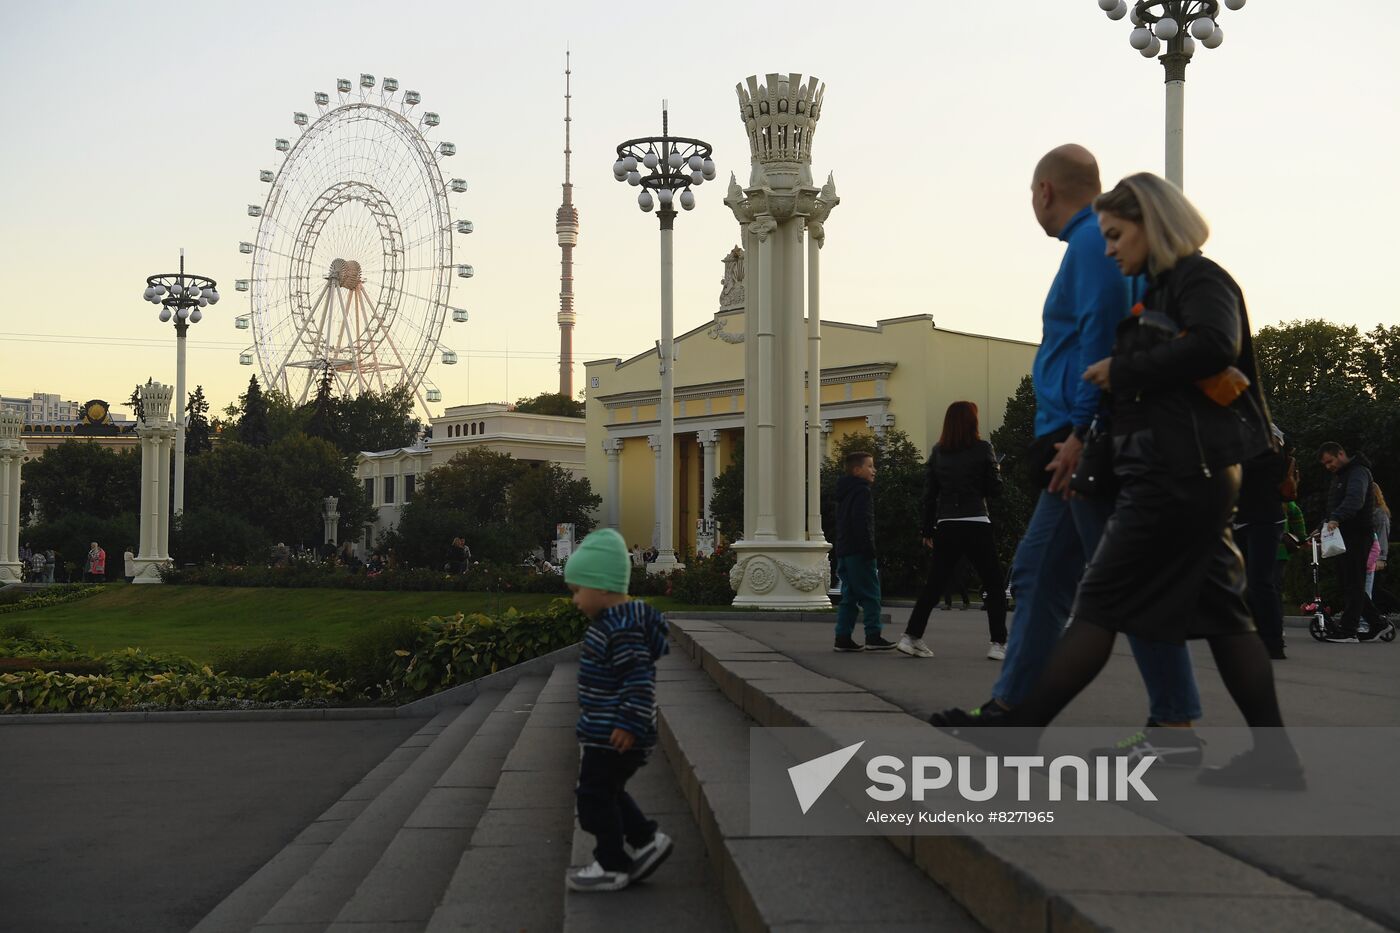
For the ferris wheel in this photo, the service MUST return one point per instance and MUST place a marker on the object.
(352, 266)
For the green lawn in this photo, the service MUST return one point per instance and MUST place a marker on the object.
(195, 621)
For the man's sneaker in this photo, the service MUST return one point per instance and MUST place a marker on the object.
(845, 643)
(1379, 633)
(596, 878)
(997, 652)
(649, 857)
(1174, 748)
(914, 647)
(951, 720)
(1341, 638)
(1258, 770)
(876, 643)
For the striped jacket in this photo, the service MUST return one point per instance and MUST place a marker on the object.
(617, 674)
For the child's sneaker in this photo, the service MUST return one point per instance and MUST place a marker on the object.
(649, 857)
(597, 878)
(877, 643)
(845, 643)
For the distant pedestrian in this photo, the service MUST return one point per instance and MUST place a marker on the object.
(96, 564)
(636, 553)
(1350, 508)
(50, 561)
(1380, 549)
(1259, 527)
(617, 714)
(854, 549)
(129, 562)
(961, 473)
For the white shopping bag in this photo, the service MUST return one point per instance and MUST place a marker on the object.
(1332, 544)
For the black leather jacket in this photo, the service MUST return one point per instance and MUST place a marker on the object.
(1155, 388)
(958, 482)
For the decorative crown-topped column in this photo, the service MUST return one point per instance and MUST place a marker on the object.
(157, 433)
(782, 559)
(12, 451)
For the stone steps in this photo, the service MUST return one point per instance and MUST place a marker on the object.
(1007, 883)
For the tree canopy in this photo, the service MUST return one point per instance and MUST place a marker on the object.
(551, 403)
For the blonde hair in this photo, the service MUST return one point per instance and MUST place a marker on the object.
(1173, 227)
(1380, 499)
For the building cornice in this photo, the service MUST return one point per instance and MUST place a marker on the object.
(838, 375)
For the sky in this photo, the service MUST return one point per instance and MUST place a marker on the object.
(137, 128)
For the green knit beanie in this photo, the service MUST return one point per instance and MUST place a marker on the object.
(601, 563)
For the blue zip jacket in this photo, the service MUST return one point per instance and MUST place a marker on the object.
(617, 674)
(1087, 300)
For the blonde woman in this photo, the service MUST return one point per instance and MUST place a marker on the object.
(1187, 412)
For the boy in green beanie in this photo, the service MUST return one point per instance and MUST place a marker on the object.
(617, 714)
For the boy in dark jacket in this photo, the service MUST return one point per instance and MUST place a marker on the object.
(854, 551)
(617, 714)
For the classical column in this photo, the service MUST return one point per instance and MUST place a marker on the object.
(332, 519)
(816, 238)
(709, 443)
(654, 440)
(157, 433)
(782, 561)
(613, 448)
(12, 451)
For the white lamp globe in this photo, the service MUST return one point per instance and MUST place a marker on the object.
(644, 200)
(1188, 46)
(708, 167)
(149, 294)
(160, 291)
(687, 199)
(1153, 48)
(1234, 4)
(1213, 40)
(193, 292)
(203, 303)
(1118, 12)
(674, 160)
(164, 315)
(697, 178)
(183, 314)
(1203, 27)
(1134, 18)
(1140, 38)
(213, 296)
(634, 177)
(1107, 5)
(1167, 28)
(649, 160)
(665, 195)
(196, 315)
(619, 167)
(176, 291)
(630, 163)
(696, 163)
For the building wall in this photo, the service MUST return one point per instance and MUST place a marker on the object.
(904, 367)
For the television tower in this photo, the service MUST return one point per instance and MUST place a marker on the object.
(566, 226)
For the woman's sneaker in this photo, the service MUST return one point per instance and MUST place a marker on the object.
(597, 878)
(1258, 770)
(1175, 748)
(997, 652)
(649, 857)
(914, 647)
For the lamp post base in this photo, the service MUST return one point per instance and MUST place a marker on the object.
(781, 575)
(148, 569)
(11, 572)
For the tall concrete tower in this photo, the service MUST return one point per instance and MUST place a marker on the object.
(566, 226)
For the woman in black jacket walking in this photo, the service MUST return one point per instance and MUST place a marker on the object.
(960, 474)
(1167, 568)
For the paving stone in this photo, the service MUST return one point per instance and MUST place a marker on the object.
(455, 808)
(1177, 913)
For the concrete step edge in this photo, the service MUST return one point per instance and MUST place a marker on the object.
(408, 880)
(984, 880)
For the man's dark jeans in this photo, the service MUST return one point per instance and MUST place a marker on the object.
(1259, 541)
(1351, 574)
(606, 810)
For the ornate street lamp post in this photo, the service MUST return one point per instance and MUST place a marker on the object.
(673, 164)
(1178, 24)
(180, 295)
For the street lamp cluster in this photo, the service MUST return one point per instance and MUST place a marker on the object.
(1170, 28)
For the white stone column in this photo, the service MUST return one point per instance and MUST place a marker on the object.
(12, 451)
(332, 520)
(709, 443)
(816, 448)
(826, 438)
(157, 433)
(654, 440)
(781, 563)
(613, 448)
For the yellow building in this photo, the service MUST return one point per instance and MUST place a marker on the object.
(901, 372)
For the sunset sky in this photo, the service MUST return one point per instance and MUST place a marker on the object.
(134, 129)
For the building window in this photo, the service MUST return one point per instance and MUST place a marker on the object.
(388, 489)
(481, 427)
(473, 427)
(409, 482)
(369, 490)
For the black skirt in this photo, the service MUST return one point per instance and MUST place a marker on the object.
(1166, 568)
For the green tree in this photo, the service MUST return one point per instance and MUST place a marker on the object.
(323, 419)
(551, 403)
(81, 478)
(198, 433)
(1011, 511)
(548, 494)
(727, 500)
(254, 426)
(377, 421)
